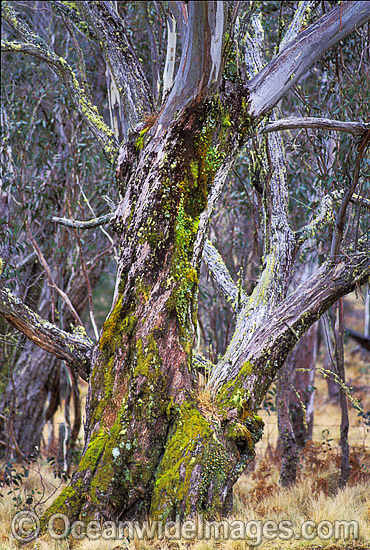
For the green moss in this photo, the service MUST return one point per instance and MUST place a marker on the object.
(94, 451)
(141, 139)
(105, 468)
(69, 502)
(233, 395)
(183, 451)
(121, 321)
(182, 270)
(238, 433)
(216, 468)
(198, 175)
(147, 359)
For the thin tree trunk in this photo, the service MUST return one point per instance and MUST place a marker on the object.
(32, 395)
(345, 467)
(301, 398)
(32, 384)
(289, 462)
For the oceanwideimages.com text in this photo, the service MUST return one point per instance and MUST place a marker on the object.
(26, 527)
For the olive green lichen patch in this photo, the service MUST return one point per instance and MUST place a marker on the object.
(233, 395)
(121, 321)
(183, 451)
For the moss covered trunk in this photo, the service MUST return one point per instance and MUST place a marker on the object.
(155, 444)
(152, 446)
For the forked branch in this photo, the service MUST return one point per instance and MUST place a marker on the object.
(222, 277)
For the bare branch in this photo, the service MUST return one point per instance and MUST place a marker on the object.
(354, 128)
(123, 62)
(89, 224)
(37, 47)
(170, 55)
(201, 61)
(222, 277)
(74, 348)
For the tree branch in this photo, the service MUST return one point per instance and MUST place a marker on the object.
(37, 47)
(222, 277)
(299, 20)
(123, 62)
(89, 224)
(169, 65)
(180, 12)
(74, 348)
(321, 219)
(325, 214)
(272, 83)
(273, 340)
(70, 10)
(354, 128)
(201, 60)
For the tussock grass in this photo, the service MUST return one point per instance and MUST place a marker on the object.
(258, 497)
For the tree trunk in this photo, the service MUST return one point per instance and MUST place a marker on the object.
(289, 452)
(150, 444)
(344, 422)
(32, 383)
(301, 398)
(295, 398)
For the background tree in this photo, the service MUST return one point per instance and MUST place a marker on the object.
(153, 442)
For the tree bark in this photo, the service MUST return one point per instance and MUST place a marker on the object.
(302, 405)
(289, 452)
(295, 403)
